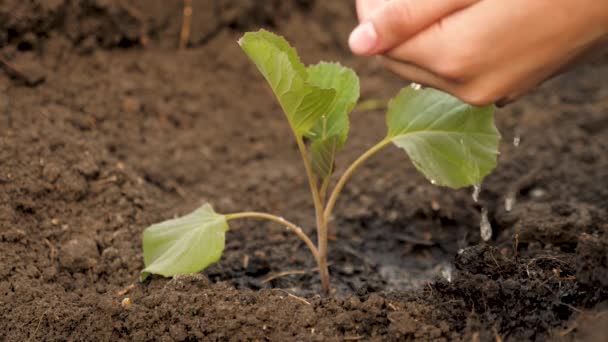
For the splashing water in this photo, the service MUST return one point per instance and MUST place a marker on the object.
(476, 191)
(485, 228)
(446, 273)
(537, 193)
(510, 201)
(516, 140)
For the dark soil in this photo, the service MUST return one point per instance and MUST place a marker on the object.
(105, 128)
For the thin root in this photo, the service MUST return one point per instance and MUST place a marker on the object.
(184, 35)
(300, 299)
(53, 250)
(284, 274)
(125, 290)
(38, 325)
(570, 329)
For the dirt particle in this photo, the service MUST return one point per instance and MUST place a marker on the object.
(374, 304)
(110, 253)
(72, 186)
(49, 273)
(51, 172)
(131, 105)
(402, 323)
(87, 167)
(592, 260)
(25, 69)
(558, 223)
(354, 303)
(12, 235)
(126, 303)
(178, 332)
(78, 254)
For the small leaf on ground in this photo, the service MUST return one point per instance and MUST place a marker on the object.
(450, 142)
(184, 245)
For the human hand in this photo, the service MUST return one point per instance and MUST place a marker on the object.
(482, 51)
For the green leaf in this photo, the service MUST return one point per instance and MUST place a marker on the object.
(184, 245)
(323, 153)
(303, 103)
(346, 84)
(329, 134)
(450, 142)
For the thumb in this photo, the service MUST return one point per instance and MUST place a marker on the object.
(398, 20)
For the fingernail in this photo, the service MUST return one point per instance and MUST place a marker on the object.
(363, 39)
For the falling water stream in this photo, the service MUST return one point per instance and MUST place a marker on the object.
(485, 227)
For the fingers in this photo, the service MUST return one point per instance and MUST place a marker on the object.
(416, 74)
(397, 20)
(505, 101)
(428, 49)
(475, 92)
(482, 52)
(366, 7)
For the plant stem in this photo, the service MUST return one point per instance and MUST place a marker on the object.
(291, 226)
(323, 189)
(312, 181)
(331, 202)
(321, 255)
(323, 222)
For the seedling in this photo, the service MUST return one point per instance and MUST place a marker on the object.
(453, 144)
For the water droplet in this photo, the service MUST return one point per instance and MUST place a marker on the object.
(485, 228)
(476, 191)
(433, 181)
(415, 86)
(537, 193)
(446, 272)
(510, 201)
(516, 140)
(435, 205)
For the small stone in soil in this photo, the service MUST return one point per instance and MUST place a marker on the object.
(25, 69)
(126, 303)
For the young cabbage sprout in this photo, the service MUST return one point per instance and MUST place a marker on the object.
(453, 144)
